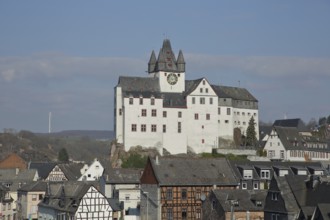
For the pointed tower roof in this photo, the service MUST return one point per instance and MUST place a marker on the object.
(180, 58)
(152, 58)
(166, 58)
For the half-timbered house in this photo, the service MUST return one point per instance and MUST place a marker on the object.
(174, 188)
(74, 200)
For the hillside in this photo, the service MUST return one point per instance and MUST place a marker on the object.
(80, 145)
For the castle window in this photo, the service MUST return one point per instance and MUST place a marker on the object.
(141, 101)
(206, 90)
(164, 114)
(179, 127)
(154, 112)
(143, 112)
(208, 116)
(203, 141)
(193, 100)
(131, 100)
(143, 128)
(226, 121)
(202, 100)
(211, 101)
(120, 112)
(164, 128)
(203, 82)
(153, 128)
(133, 127)
(152, 101)
(219, 111)
(201, 90)
(228, 111)
(244, 185)
(179, 114)
(196, 116)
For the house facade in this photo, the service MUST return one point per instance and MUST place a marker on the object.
(234, 204)
(174, 188)
(290, 144)
(74, 200)
(164, 110)
(7, 204)
(29, 197)
(91, 172)
(124, 184)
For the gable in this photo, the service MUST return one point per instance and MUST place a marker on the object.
(201, 87)
(148, 176)
(13, 161)
(56, 175)
(93, 205)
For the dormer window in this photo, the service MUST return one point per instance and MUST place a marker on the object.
(258, 203)
(235, 203)
(247, 174)
(265, 174)
(131, 100)
(141, 100)
(152, 101)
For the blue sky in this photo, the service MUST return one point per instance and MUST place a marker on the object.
(65, 57)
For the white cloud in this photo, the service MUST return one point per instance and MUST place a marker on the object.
(57, 66)
(266, 66)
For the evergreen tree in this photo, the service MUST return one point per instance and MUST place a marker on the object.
(251, 135)
(63, 155)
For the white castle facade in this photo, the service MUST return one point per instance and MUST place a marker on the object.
(164, 110)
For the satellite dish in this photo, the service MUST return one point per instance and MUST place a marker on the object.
(203, 197)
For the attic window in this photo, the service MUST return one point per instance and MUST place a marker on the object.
(203, 82)
(258, 203)
(235, 203)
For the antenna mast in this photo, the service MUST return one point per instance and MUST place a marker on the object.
(50, 122)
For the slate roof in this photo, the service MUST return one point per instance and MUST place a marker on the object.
(235, 93)
(293, 140)
(291, 123)
(148, 87)
(139, 85)
(124, 176)
(288, 196)
(292, 166)
(43, 168)
(244, 197)
(193, 171)
(12, 174)
(65, 196)
(72, 170)
(37, 186)
(323, 211)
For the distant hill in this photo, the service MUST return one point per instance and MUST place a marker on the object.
(92, 134)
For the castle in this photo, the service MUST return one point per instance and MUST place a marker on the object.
(166, 111)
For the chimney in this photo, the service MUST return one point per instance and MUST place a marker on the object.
(157, 160)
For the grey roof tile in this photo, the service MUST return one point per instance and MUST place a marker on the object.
(193, 171)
